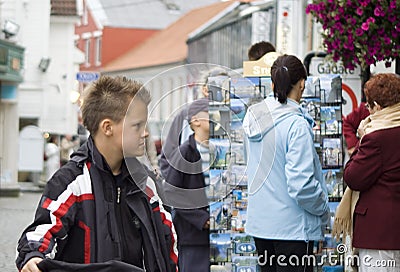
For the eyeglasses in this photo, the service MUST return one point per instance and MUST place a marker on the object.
(369, 107)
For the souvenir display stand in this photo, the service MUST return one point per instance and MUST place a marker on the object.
(229, 98)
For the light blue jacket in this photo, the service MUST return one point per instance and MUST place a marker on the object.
(287, 192)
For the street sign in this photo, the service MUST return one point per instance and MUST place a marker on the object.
(86, 76)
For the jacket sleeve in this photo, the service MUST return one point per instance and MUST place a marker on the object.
(365, 165)
(54, 216)
(196, 217)
(166, 219)
(303, 184)
(173, 139)
(351, 123)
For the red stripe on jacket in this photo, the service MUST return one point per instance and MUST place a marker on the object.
(60, 212)
(167, 222)
(87, 241)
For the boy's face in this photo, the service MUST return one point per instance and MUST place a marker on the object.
(132, 129)
(202, 122)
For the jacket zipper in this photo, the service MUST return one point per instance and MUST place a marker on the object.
(120, 223)
(118, 194)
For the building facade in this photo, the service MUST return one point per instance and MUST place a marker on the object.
(48, 65)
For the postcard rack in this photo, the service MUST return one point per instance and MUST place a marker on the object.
(322, 100)
(227, 191)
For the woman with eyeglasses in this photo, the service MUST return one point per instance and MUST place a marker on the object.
(374, 170)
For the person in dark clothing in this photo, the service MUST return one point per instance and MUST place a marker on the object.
(351, 123)
(179, 130)
(193, 222)
(257, 50)
(103, 204)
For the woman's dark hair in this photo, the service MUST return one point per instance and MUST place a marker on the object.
(286, 71)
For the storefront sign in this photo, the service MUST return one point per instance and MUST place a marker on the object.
(261, 67)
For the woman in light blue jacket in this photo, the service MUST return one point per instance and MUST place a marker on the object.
(288, 202)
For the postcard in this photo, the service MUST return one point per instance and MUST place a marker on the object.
(332, 152)
(220, 152)
(219, 186)
(220, 245)
(218, 88)
(245, 264)
(312, 87)
(243, 243)
(219, 120)
(331, 88)
(242, 88)
(331, 120)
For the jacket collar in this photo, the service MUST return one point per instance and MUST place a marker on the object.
(131, 168)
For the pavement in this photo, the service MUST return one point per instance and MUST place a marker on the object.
(16, 213)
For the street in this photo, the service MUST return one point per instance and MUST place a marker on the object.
(15, 213)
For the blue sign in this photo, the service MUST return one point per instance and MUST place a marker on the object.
(8, 93)
(86, 76)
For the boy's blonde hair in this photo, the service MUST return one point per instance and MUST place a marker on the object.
(109, 97)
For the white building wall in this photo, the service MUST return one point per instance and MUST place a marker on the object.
(34, 36)
(41, 95)
(291, 27)
(8, 145)
(45, 95)
(60, 115)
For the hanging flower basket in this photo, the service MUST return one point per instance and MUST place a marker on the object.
(359, 32)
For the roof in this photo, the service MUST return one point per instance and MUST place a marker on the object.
(168, 45)
(148, 14)
(64, 7)
(236, 13)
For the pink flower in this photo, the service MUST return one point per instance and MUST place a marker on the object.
(365, 26)
(388, 64)
(369, 61)
(359, 31)
(372, 50)
(372, 25)
(391, 18)
(371, 20)
(378, 11)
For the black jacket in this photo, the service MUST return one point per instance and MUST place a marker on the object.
(78, 219)
(189, 222)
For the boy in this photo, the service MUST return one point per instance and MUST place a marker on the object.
(94, 211)
(193, 222)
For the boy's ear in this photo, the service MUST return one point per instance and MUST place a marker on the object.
(106, 127)
(194, 121)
